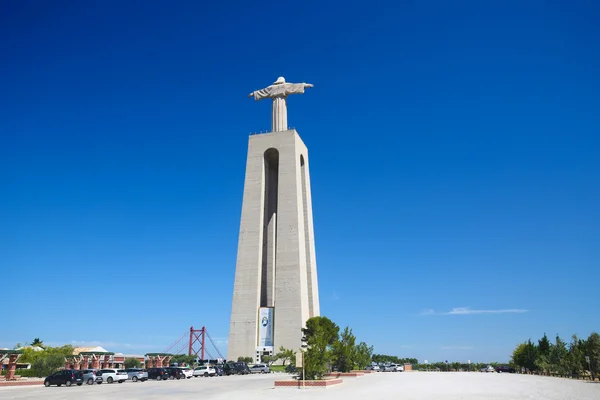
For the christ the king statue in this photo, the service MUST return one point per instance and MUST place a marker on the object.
(279, 92)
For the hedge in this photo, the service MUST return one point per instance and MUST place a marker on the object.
(28, 373)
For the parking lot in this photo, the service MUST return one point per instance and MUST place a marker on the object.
(408, 386)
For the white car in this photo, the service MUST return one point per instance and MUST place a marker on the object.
(188, 373)
(110, 375)
(397, 367)
(489, 368)
(205, 371)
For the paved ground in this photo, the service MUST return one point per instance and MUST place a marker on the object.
(407, 386)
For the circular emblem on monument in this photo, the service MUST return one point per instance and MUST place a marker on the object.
(265, 321)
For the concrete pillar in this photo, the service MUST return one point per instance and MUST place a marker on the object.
(12, 366)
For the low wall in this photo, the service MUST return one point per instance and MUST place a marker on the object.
(20, 383)
(352, 374)
(309, 384)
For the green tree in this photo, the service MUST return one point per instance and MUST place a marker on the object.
(45, 366)
(412, 361)
(363, 354)
(37, 342)
(558, 357)
(182, 359)
(384, 358)
(269, 360)
(575, 358)
(592, 350)
(132, 363)
(343, 351)
(245, 359)
(543, 354)
(525, 355)
(544, 345)
(286, 355)
(321, 333)
(29, 355)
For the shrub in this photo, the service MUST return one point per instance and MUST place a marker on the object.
(132, 363)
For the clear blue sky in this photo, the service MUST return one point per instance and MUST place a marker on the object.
(462, 137)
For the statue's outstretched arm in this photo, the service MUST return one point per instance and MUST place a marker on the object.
(251, 94)
(308, 85)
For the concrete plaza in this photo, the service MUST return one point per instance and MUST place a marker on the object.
(408, 386)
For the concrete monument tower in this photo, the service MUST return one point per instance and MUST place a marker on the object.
(275, 288)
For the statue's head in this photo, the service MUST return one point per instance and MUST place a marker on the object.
(279, 81)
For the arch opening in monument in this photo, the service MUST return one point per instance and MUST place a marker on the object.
(271, 176)
(307, 226)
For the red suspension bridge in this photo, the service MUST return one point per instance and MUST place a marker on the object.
(194, 342)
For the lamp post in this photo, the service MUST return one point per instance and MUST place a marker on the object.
(303, 348)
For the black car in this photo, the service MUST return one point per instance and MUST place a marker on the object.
(174, 373)
(160, 374)
(504, 368)
(65, 377)
(236, 368)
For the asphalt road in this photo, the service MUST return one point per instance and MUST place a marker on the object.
(404, 385)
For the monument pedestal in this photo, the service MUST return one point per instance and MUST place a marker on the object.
(276, 263)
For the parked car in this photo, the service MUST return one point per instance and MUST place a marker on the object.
(236, 368)
(137, 374)
(376, 368)
(174, 373)
(387, 368)
(187, 372)
(219, 370)
(160, 374)
(205, 371)
(396, 367)
(505, 368)
(260, 369)
(110, 375)
(89, 376)
(489, 368)
(65, 377)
